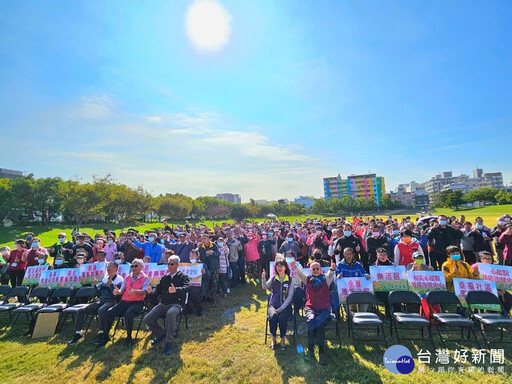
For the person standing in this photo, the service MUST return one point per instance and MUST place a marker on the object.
(265, 250)
(234, 246)
(61, 247)
(209, 254)
(170, 292)
(32, 255)
(17, 266)
(440, 237)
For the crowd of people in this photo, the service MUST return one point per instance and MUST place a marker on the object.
(240, 253)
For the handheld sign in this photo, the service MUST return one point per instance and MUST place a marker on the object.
(123, 270)
(92, 271)
(65, 277)
(463, 286)
(389, 278)
(33, 274)
(500, 274)
(347, 285)
(155, 273)
(193, 271)
(423, 282)
(293, 274)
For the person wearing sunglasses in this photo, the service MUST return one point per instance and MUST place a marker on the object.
(133, 292)
(170, 292)
(318, 306)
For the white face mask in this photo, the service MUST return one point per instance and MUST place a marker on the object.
(193, 261)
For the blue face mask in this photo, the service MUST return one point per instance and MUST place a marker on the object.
(35, 245)
(59, 262)
(151, 239)
(479, 226)
(347, 233)
(396, 232)
(220, 243)
(442, 222)
(289, 239)
(455, 257)
(28, 238)
(162, 241)
(271, 233)
(118, 261)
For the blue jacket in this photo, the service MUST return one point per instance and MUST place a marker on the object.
(153, 250)
(353, 270)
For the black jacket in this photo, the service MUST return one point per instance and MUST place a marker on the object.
(180, 282)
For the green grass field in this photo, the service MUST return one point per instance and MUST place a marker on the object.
(225, 345)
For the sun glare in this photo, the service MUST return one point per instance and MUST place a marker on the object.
(208, 25)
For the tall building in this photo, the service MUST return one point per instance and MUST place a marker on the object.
(10, 174)
(366, 186)
(463, 183)
(229, 197)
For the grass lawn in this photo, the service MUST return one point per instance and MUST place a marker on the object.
(226, 345)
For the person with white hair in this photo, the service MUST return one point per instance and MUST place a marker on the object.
(170, 292)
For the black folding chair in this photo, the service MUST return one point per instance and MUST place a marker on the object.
(408, 317)
(366, 320)
(452, 315)
(140, 314)
(18, 293)
(181, 315)
(4, 292)
(39, 297)
(491, 319)
(86, 296)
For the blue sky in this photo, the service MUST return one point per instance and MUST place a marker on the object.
(301, 91)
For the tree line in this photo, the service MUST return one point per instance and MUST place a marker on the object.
(28, 199)
(484, 195)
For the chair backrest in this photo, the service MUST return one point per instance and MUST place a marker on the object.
(5, 290)
(403, 297)
(473, 298)
(41, 293)
(361, 298)
(21, 292)
(86, 292)
(442, 298)
(62, 293)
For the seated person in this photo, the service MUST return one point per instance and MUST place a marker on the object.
(505, 297)
(454, 267)
(279, 307)
(133, 292)
(318, 306)
(170, 291)
(119, 258)
(382, 258)
(100, 256)
(105, 301)
(317, 257)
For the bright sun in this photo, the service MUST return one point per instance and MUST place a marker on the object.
(208, 25)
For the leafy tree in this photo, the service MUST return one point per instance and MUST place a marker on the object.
(450, 199)
(485, 194)
(82, 202)
(6, 197)
(320, 206)
(48, 195)
(219, 211)
(175, 207)
(503, 197)
(240, 212)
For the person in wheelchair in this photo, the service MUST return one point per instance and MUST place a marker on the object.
(318, 306)
(279, 307)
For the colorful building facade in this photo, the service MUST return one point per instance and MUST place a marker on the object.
(366, 186)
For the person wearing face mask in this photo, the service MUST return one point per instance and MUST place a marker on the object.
(439, 238)
(455, 267)
(290, 245)
(350, 267)
(28, 240)
(209, 253)
(197, 294)
(318, 306)
(81, 246)
(4, 265)
(405, 249)
(151, 248)
(374, 242)
(59, 262)
(223, 266)
(119, 258)
(506, 240)
(349, 241)
(318, 258)
(234, 246)
(17, 266)
(496, 232)
(252, 257)
(31, 256)
(265, 250)
(243, 239)
(182, 247)
(110, 249)
(418, 263)
(61, 247)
